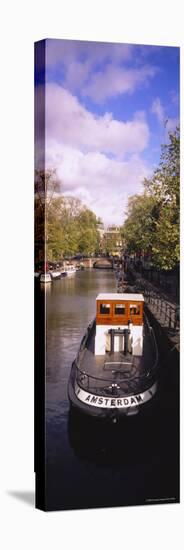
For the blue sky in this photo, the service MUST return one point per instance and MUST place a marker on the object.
(105, 110)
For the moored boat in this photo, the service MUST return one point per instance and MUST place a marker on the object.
(63, 274)
(48, 276)
(55, 274)
(115, 372)
(45, 278)
(70, 270)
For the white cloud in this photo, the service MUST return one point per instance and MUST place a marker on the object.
(158, 110)
(175, 98)
(68, 122)
(103, 184)
(76, 75)
(172, 123)
(99, 70)
(67, 51)
(115, 80)
(90, 153)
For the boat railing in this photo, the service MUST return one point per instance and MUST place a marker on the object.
(112, 386)
(127, 381)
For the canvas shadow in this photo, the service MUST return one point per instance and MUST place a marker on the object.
(28, 497)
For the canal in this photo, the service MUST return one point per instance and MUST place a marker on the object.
(90, 463)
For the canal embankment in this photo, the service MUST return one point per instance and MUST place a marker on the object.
(163, 312)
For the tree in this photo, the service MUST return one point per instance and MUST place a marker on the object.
(72, 228)
(153, 217)
(46, 185)
(63, 225)
(165, 188)
(139, 227)
(88, 235)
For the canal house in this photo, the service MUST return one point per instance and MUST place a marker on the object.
(119, 323)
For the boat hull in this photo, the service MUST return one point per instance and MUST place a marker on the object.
(45, 278)
(108, 406)
(56, 275)
(116, 384)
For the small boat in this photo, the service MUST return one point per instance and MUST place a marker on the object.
(45, 278)
(70, 270)
(49, 276)
(116, 370)
(55, 274)
(63, 274)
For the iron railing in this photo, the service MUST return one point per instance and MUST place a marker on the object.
(167, 313)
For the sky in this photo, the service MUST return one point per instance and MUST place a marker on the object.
(106, 108)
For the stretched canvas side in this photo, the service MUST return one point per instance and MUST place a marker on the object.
(39, 254)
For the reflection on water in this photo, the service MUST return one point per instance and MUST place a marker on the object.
(70, 306)
(46, 287)
(92, 463)
(103, 442)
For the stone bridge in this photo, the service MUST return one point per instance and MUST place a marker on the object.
(96, 262)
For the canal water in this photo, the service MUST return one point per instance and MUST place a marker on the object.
(90, 463)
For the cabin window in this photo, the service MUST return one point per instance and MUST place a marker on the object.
(104, 309)
(119, 309)
(134, 309)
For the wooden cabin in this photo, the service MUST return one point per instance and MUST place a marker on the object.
(119, 323)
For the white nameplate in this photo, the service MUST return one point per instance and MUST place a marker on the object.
(115, 402)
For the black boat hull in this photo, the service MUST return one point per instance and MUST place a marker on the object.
(121, 386)
(109, 407)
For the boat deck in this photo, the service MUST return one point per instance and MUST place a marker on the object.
(127, 372)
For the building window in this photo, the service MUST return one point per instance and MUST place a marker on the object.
(134, 309)
(119, 309)
(104, 309)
